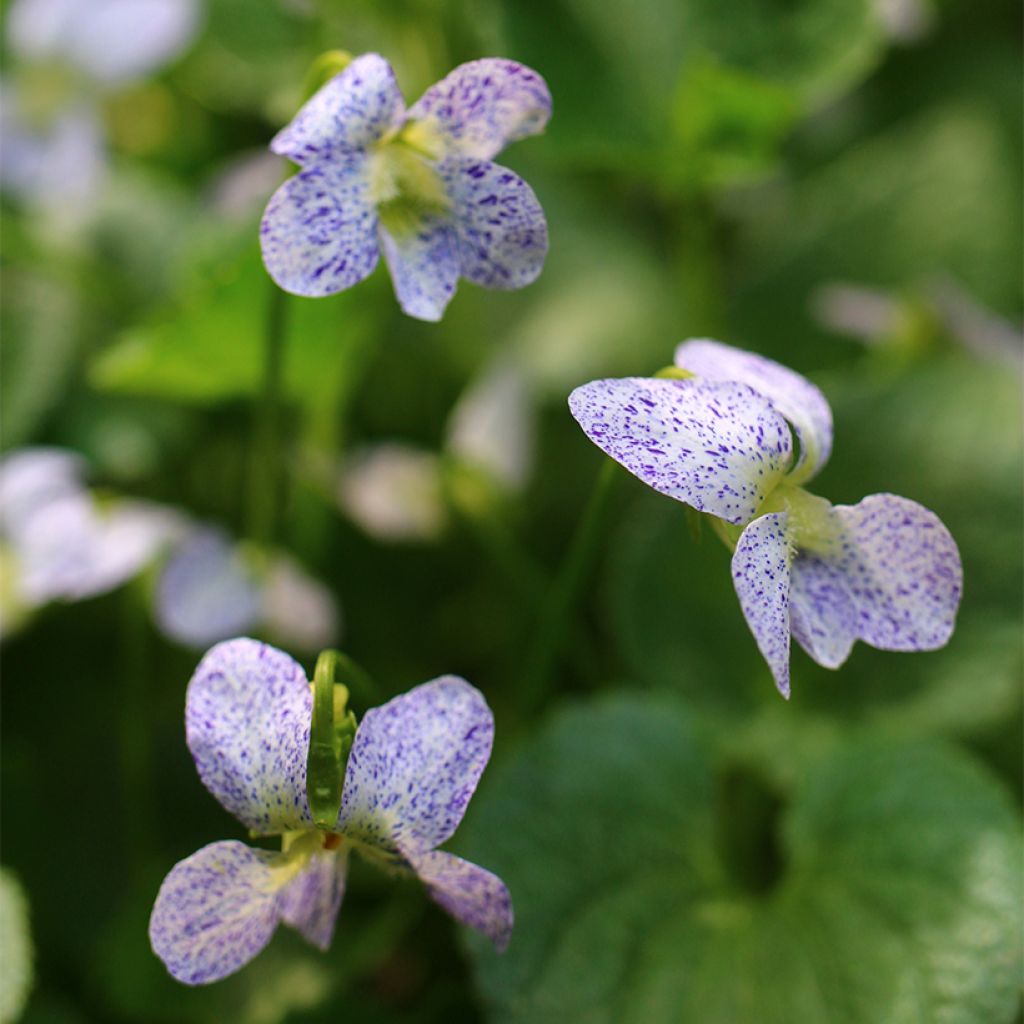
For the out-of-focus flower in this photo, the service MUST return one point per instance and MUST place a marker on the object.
(396, 492)
(212, 588)
(885, 571)
(61, 543)
(417, 184)
(52, 148)
(413, 767)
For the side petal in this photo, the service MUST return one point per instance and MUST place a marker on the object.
(760, 573)
(424, 267)
(482, 106)
(502, 233)
(214, 912)
(902, 571)
(31, 478)
(354, 109)
(311, 901)
(247, 715)
(319, 230)
(718, 447)
(469, 893)
(415, 763)
(794, 396)
(822, 616)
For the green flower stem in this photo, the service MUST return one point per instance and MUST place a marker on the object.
(547, 648)
(265, 468)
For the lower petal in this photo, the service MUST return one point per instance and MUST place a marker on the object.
(424, 267)
(310, 902)
(902, 571)
(822, 616)
(467, 892)
(503, 236)
(760, 573)
(215, 911)
(319, 230)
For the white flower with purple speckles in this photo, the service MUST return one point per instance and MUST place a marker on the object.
(413, 767)
(885, 571)
(417, 185)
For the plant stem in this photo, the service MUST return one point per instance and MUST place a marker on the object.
(265, 465)
(546, 650)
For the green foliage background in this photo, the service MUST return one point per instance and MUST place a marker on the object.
(680, 845)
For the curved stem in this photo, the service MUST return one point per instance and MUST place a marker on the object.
(547, 647)
(265, 468)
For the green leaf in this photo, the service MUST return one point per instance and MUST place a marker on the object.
(896, 898)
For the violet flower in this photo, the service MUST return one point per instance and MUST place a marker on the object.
(885, 571)
(417, 184)
(413, 767)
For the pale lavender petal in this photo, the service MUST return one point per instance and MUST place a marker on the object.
(469, 893)
(794, 396)
(354, 109)
(424, 266)
(31, 478)
(822, 616)
(298, 611)
(311, 901)
(247, 717)
(319, 230)
(502, 233)
(215, 911)
(760, 573)
(482, 106)
(414, 765)
(718, 447)
(902, 572)
(206, 592)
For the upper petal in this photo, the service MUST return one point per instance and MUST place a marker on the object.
(424, 266)
(31, 478)
(822, 616)
(794, 396)
(902, 572)
(482, 106)
(719, 447)
(760, 573)
(247, 716)
(469, 893)
(319, 230)
(354, 109)
(214, 912)
(415, 763)
(502, 233)
(311, 901)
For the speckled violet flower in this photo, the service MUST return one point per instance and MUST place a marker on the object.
(413, 767)
(885, 571)
(417, 185)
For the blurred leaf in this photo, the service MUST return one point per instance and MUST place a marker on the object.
(897, 897)
(16, 952)
(209, 347)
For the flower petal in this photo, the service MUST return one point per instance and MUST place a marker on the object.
(311, 901)
(794, 396)
(503, 236)
(215, 911)
(354, 109)
(319, 230)
(206, 592)
(415, 763)
(424, 267)
(469, 893)
(760, 573)
(482, 106)
(822, 616)
(902, 572)
(247, 717)
(718, 447)
(31, 478)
